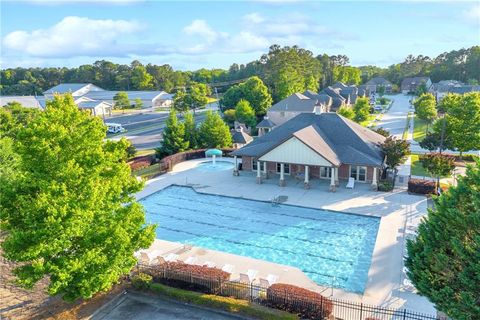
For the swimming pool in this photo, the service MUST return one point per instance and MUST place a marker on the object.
(218, 166)
(325, 245)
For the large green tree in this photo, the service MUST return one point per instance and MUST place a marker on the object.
(254, 91)
(69, 213)
(463, 122)
(444, 259)
(395, 150)
(346, 112)
(425, 107)
(173, 136)
(191, 130)
(361, 109)
(438, 165)
(245, 114)
(121, 100)
(213, 132)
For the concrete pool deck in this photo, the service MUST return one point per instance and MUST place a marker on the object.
(398, 211)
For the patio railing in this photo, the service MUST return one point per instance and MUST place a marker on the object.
(323, 308)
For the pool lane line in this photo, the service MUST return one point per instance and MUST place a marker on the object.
(274, 213)
(253, 245)
(254, 232)
(254, 220)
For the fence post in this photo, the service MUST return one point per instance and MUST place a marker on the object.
(251, 292)
(361, 311)
(404, 314)
(321, 306)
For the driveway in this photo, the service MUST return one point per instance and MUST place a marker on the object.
(394, 120)
(135, 306)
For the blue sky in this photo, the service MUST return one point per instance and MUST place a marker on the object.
(192, 35)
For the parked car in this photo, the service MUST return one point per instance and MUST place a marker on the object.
(114, 128)
(377, 108)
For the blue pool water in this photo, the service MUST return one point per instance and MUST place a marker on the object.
(218, 166)
(323, 244)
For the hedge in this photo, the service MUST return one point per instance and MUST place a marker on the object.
(141, 162)
(421, 186)
(307, 304)
(232, 305)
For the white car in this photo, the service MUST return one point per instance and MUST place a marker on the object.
(114, 128)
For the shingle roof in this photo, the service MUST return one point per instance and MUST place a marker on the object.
(320, 97)
(266, 123)
(347, 140)
(240, 136)
(378, 81)
(415, 81)
(296, 102)
(90, 104)
(26, 101)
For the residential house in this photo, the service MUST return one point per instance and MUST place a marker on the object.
(26, 101)
(240, 137)
(265, 126)
(316, 145)
(374, 84)
(410, 85)
(444, 87)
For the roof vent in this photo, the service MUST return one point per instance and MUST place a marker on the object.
(318, 108)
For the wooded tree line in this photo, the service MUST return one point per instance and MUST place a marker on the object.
(283, 69)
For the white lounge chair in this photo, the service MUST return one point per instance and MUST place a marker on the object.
(171, 257)
(244, 278)
(191, 260)
(351, 183)
(268, 281)
(209, 264)
(228, 268)
(252, 274)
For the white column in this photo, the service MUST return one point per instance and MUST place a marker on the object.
(235, 170)
(337, 183)
(282, 175)
(374, 179)
(332, 180)
(307, 178)
(259, 174)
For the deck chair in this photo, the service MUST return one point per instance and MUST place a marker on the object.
(191, 260)
(252, 274)
(228, 268)
(209, 264)
(351, 183)
(171, 257)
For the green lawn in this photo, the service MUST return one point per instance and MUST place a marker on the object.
(145, 172)
(145, 152)
(419, 128)
(417, 167)
(367, 122)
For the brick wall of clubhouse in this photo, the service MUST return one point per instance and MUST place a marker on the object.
(343, 172)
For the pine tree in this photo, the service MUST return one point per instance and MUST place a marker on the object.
(191, 131)
(214, 133)
(444, 259)
(173, 136)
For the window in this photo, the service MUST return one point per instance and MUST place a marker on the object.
(286, 168)
(255, 163)
(358, 173)
(325, 172)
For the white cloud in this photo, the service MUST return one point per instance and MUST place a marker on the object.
(73, 36)
(202, 29)
(473, 15)
(254, 18)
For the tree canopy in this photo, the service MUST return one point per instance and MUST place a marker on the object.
(245, 114)
(254, 91)
(425, 107)
(395, 150)
(444, 260)
(361, 109)
(68, 211)
(173, 136)
(121, 100)
(213, 132)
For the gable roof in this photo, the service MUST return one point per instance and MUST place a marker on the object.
(240, 136)
(108, 95)
(266, 123)
(329, 134)
(320, 97)
(25, 101)
(70, 88)
(378, 81)
(296, 102)
(414, 81)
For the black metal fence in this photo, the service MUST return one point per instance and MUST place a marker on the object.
(317, 308)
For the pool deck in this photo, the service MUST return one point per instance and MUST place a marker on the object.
(399, 213)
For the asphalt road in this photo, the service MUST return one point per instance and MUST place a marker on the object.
(395, 119)
(134, 306)
(144, 130)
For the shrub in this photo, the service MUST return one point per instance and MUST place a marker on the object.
(385, 186)
(141, 281)
(421, 186)
(306, 303)
(467, 157)
(139, 164)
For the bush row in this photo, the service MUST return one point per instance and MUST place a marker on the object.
(421, 186)
(141, 162)
(307, 304)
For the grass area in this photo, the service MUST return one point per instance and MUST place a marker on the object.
(211, 99)
(366, 123)
(405, 131)
(419, 129)
(232, 305)
(145, 152)
(417, 167)
(148, 171)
